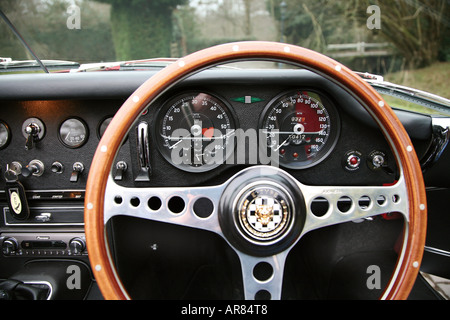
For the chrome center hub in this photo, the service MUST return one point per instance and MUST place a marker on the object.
(263, 212)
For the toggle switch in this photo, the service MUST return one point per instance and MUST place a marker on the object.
(77, 169)
(35, 168)
(121, 167)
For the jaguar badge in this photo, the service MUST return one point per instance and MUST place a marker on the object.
(264, 213)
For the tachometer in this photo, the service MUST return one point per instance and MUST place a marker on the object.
(194, 129)
(301, 126)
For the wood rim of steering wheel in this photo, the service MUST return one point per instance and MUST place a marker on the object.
(407, 266)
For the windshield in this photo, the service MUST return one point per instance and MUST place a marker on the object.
(407, 42)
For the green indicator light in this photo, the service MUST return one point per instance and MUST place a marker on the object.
(247, 99)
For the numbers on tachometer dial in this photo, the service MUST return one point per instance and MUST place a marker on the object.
(194, 129)
(301, 127)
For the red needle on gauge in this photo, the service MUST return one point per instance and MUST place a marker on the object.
(208, 132)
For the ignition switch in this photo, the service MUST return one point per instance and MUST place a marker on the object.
(376, 160)
(33, 130)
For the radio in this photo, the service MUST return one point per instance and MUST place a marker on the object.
(43, 245)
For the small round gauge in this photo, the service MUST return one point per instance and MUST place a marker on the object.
(300, 126)
(73, 133)
(103, 125)
(5, 135)
(193, 131)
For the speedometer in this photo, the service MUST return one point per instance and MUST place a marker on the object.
(194, 130)
(301, 126)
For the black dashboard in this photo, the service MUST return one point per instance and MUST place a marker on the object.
(341, 146)
(74, 109)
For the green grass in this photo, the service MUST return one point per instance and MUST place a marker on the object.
(433, 79)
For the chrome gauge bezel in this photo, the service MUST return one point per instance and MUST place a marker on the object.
(163, 144)
(6, 135)
(328, 145)
(102, 125)
(81, 125)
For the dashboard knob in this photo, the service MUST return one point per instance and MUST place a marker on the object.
(352, 160)
(57, 167)
(9, 246)
(77, 245)
(376, 160)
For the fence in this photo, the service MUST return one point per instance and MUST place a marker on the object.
(359, 49)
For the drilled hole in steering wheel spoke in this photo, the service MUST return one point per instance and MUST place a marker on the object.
(365, 203)
(381, 200)
(263, 295)
(135, 202)
(319, 206)
(395, 198)
(263, 271)
(203, 207)
(345, 204)
(176, 204)
(118, 200)
(154, 203)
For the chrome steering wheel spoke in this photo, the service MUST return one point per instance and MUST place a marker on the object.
(190, 207)
(262, 276)
(326, 206)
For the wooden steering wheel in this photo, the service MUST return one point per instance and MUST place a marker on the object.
(407, 196)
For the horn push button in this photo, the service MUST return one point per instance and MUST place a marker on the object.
(262, 211)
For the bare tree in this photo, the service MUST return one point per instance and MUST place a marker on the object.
(247, 19)
(414, 27)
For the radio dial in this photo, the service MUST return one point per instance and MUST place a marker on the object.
(9, 246)
(77, 245)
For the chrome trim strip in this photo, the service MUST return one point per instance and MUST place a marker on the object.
(437, 251)
(46, 283)
(45, 224)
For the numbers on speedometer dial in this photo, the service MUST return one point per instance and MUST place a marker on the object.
(301, 126)
(194, 129)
